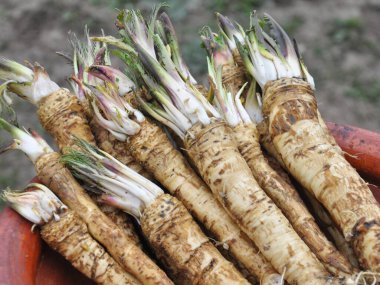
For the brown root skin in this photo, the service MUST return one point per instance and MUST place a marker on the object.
(233, 77)
(87, 109)
(122, 220)
(62, 116)
(69, 236)
(266, 141)
(290, 106)
(180, 243)
(288, 201)
(322, 216)
(367, 244)
(237, 58)
(229, 177)
(276, 166)
(329, 136)
(55, 176)
(201, 88)
(327, 223)
(152, 148)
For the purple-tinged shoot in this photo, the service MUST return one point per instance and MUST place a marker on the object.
(31, 144)
(179, 104)
(30, 84)
(216, 47)
(85, 54)
(181, 95)
(271, 56)
(123, 187)
(92, 65)
(39, 206)
(231, 34)
(116, 115)
(166, 30)
(114, 76)
(81, 90)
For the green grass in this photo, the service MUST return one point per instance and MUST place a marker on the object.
(9, 178)
(247, 6)
(346, 31)
(4, 13)
(195, 56)
(242, 6)
(293, 25)
(368, 91)
(112, 4)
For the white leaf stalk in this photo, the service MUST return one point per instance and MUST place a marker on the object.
(165, 29)
(4, 94)
(32, 85)
(164, 116)
(179, 96)
(123, 187)
(30, 143)
(271, 56)
(253, 104)
(13, 71)
(39, 206)
(155, 111)
(178, 102)
(228, 104)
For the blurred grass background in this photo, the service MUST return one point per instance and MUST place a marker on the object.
(339, 40)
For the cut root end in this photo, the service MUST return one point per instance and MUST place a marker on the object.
(366, 278)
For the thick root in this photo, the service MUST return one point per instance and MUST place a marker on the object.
(69, 236)
(291, 108)
(237, 58)
(123, 220)
(152, 148)
(329, 136)
(62, 116)
(266, 141)
(367, 244)
(180, 243)
(233, 77)
(288, 201)
(55, 176)
(324, 218)
(229, 177)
